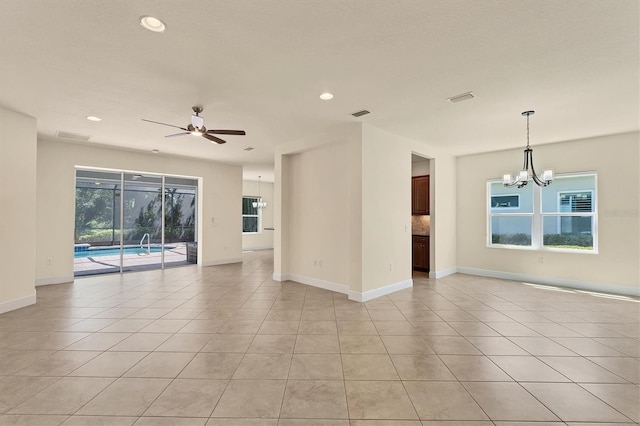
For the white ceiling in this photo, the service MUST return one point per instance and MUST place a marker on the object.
(260, 65)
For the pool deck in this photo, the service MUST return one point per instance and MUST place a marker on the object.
(102, 264)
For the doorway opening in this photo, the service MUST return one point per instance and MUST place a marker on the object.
(421, 209)
(130, 221)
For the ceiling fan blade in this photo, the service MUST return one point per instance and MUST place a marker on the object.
(177, 134)
(165, 124)
(213, 138)
(228, 132)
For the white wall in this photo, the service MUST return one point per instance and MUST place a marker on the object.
(263, 239)
(386, 208)
(318, 210)
(363, 177)
(220, 209)
(615, 268)
(287, 198)
(319, 231)
(420, 168)
(18, 212)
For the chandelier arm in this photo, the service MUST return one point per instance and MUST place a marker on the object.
(535, 176)
(539, 181)
(525, 163)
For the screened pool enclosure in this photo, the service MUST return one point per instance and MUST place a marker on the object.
(132, 221)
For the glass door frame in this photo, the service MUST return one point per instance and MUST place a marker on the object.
(162, 176)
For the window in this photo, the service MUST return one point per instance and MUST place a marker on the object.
(575, 202)
(511, 215)
(562, 216)
(250, 216)
(569, 213)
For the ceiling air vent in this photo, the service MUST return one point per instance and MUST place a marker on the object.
(361, 113)
(249, 148)
(74, 136)
(462, 97)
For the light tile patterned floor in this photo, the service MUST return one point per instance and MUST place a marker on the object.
(226, 345)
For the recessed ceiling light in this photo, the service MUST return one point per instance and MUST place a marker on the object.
(249, 148)
(155, 151)
(93, 118)
(326, 96)
(152, 24)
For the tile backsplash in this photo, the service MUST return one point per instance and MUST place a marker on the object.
(420, 225)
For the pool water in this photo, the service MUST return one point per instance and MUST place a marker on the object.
(96, 252)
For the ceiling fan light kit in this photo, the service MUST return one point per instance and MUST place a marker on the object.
(196, 120)
(196, 128)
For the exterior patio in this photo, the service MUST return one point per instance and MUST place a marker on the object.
(100, 264)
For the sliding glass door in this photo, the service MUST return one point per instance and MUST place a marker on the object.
(142, 221)
(97, 230)
(133, 221)
(180, 218)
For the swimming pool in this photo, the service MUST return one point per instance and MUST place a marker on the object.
(110, 251)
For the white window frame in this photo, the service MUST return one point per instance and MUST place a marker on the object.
(537, 243)
(259, 216)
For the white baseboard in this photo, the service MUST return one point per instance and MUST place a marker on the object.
(558, 282)
(443, 273)
(382, 291)
(11, 305)
(54, 280)
(535, 279)
(221, 261)
(257, 248)
(341, 288)
(326, 285)
(280, 277)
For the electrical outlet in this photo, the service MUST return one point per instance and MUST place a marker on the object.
(391, 266)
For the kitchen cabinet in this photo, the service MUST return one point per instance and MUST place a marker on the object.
(421, 252)
(420, 195)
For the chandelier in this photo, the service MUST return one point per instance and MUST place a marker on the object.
(259, 204)
(522, 178)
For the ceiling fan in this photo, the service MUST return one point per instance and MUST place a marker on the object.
(196, 128)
